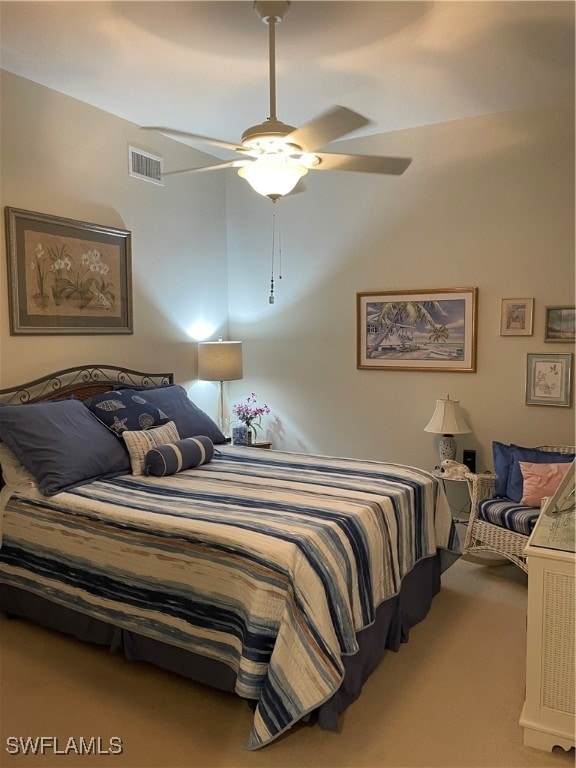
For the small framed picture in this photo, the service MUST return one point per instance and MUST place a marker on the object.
(560, 324)
(240, 435)
(516, 317)
(548, 379)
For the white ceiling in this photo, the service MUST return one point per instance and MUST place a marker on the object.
(203, 66)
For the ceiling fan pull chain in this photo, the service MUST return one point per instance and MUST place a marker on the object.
(279, 250)
(271, 297)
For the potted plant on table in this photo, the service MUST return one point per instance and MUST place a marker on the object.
(250, 414)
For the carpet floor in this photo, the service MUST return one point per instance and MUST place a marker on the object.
(451, 696)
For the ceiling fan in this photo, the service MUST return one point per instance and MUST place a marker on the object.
(276, 155)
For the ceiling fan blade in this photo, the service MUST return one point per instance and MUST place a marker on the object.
(363, 163)
(215, 167)
(193, 137)
(330, 125)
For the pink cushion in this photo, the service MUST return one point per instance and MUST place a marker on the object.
(540, 480)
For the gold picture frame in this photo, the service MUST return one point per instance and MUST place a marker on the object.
(67, 276)
(417, 330)
(517, 317)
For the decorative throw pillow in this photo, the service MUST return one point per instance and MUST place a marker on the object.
(183, 454)
(540, 480)
(125, 409)
(13, 471)
(141, 441)
(61, 443)
(189, 419)
(501, 457)
(514, 488)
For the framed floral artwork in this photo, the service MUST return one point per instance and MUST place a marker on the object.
(516, 317)
(67, 276)
(417, 330)
(560, 324)
(548, 379)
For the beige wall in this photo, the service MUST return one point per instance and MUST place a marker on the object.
(488, 202)
(62, 157)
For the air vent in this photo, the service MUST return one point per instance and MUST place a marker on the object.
(143, 165)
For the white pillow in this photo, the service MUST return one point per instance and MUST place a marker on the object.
(139, 442)
(13, 471)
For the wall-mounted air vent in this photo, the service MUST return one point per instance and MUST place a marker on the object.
(143, 165)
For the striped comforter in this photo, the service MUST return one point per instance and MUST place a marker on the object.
(269, 562)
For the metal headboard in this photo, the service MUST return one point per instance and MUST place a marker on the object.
(82, 381)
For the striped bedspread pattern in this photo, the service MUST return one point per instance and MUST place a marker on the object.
(269, 562)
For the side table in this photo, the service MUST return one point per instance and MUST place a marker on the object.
(258, 445)
(458, 510)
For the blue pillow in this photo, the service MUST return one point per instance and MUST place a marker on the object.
(183, 454)
(125, 410)
(61, 443)
(501, 457)
(515, 486)
(189, 419)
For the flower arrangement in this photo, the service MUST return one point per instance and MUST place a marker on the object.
(250, 413)
(79, 285)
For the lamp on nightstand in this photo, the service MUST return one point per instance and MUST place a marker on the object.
(220, 361)
(447, 420)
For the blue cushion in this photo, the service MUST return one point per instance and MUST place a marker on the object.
(61, 443)
(189, 419)
(183, 454)
(501, 457)
(507, 514)
(515, 485)
(125, 409)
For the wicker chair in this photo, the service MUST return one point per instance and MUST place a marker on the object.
(484, 536)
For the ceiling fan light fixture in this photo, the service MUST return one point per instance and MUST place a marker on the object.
(272, 178)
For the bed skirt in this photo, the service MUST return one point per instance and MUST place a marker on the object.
(394, 618)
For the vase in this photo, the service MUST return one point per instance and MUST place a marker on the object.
(249, 435)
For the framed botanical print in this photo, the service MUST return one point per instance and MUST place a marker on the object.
(548, 379)
(67, 276)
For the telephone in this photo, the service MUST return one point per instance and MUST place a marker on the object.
(450, 468)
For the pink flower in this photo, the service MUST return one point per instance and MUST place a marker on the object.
(249, 413)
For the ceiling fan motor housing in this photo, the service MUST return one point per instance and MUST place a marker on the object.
(269, 137)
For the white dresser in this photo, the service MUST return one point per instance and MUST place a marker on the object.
(549, 712)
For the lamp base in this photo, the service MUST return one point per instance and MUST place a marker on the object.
(447, 448)
(223, 417)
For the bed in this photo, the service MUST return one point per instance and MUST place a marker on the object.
(281, 577)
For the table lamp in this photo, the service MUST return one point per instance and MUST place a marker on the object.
(447, 420)
(220, 361)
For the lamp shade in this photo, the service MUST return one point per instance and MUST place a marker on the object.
(220, 360)
(447, 419)
(271, 176)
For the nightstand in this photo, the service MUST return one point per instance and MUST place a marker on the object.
(258, 445)
(549, 709)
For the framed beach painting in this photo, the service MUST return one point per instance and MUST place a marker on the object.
(548, 379)
(417, 330)
(67, 276)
